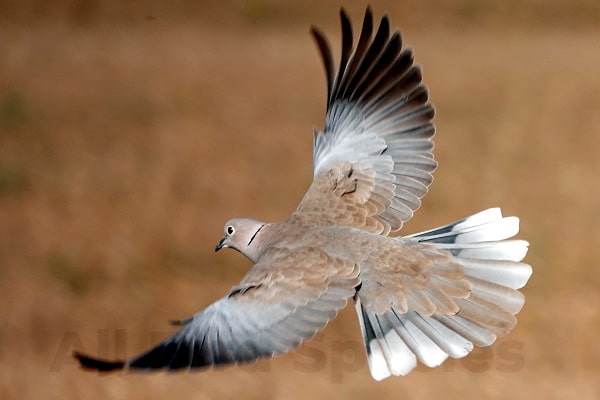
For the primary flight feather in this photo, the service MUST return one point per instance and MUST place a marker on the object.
(420, 297)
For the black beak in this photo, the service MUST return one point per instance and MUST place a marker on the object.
(220, 245)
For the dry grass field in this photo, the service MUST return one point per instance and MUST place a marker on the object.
(130, 132)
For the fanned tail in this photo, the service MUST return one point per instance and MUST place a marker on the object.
(395, 341)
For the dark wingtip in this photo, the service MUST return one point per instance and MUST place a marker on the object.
(368, 14)
(315, 32)
(180, 322)
(325, 51)
(368, 19)
(344, 14)
(95, 364)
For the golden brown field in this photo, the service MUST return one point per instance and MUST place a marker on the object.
(129, 133)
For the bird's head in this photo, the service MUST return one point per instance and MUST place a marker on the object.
(240, 234)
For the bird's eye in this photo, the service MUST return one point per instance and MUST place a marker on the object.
(230, 230)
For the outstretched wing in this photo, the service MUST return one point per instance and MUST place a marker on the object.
(374, 160)
(286, 298)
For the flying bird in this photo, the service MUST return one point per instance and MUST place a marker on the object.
(425, 297)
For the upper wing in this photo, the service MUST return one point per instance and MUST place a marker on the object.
(373, 162)
(284, 299)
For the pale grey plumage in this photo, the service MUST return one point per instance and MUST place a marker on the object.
(422, 297)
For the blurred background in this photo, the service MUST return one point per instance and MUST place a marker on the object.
(131, 131)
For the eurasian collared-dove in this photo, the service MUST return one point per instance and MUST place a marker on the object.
(420, 297)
